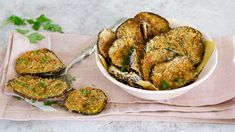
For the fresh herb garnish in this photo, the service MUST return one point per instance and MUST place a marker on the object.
(22, 31)
(36, 25)
(86, 92)
(126, 60)
(16, 20)
(35, 51)
(22, 84)
(52, 27)
(165, 85)
(178, 80)
(30, 21)
(49, 103)
(35, 37)
(42, 84)
(71, 78)
(18, 98)
(42, 18)
(44, 59)
(38, 22)
(22, 61)
(30, 87)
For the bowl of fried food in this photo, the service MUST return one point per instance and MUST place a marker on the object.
(155, 58)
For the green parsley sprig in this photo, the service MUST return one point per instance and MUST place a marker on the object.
(165, 85)
(36, 24)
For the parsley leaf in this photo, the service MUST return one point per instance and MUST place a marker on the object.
(71, 78)
(22, 61)
(44, 59)
(18, 98)
(42, 84)
(49, 103)
(85, 92)
(126, 60)
(165, 85)
(30, 87)
(42, 18)
(16, 20)
(30, 21)
(38, 22)
(22, 31)
(52, 27)
(36, 25)
(35, 37)
(22, 84)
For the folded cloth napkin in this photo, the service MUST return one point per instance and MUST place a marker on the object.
(212, 101)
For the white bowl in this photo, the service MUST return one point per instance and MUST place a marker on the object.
(166, 94)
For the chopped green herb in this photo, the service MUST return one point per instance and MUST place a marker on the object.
(52, 27)
(22, 61)
(35, 37)
(36, 25)
(22, 31)
(71, 78)
(42, 18)
(126, 60)
(30, 21)
(30, 87)
(22, 84)
(44, 59)
(35, 51)
(85, 92)
(49, 103)
(165, 85)
(178, 80)
(38, 22)
(169, 49)
(42, 84)
(16, 20)
(18, 98)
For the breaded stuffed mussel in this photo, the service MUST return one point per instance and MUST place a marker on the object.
(190, 40)
(87, 101)
(173, 74)
(105, 40)
(39, 62)
(152, 24)
(131, 28)
(37, 88)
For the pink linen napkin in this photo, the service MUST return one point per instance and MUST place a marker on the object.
(212, 100)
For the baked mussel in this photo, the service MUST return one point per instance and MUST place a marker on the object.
(41, 62)
(87, 101)
(37, 88)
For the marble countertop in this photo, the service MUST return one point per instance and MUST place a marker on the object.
(216, 17)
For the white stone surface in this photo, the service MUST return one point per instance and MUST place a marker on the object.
(216, 17)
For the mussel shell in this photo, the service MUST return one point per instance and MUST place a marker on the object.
(37, 88)
(129, 77)
(146, 85)
(41, 62)
(103, 62)
(86, 101)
